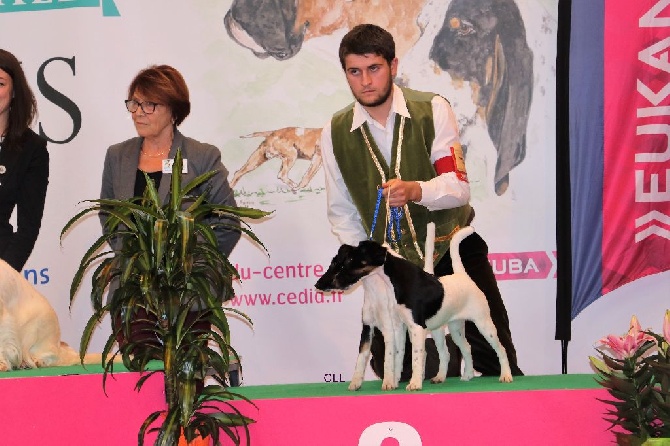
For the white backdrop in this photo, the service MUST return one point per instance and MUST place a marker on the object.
(296, 337)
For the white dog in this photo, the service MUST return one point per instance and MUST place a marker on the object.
(29, 329)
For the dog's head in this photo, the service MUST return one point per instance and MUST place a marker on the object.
(484, 42)
(267, 28)
(351, 264)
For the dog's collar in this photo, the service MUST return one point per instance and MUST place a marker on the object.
(390, 251)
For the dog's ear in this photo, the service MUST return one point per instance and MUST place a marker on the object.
(345, 249)
(343, 253)
(372, 252)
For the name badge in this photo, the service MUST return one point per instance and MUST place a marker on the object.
(167, 165)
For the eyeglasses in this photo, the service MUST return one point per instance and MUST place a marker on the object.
(148, 107)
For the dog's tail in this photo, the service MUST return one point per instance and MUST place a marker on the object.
(429, 249)
(69, 356)
(257, 134)
(454, 244)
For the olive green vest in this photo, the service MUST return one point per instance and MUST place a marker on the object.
(362, 178)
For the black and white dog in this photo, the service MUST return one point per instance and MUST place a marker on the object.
(421, 301)
(379, 310)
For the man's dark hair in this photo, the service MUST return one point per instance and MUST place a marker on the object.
(367, 39)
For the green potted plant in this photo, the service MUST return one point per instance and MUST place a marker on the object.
(169, 270)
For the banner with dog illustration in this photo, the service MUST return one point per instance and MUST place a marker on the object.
(264, 78)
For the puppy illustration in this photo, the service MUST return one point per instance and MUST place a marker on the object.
(29, 328)
(484, 42)
(289, 144)
(278, 28)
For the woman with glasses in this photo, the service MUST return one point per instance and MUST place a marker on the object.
(158, 101)
(24, 165)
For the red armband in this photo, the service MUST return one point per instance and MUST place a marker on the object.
(454, 163)
(445, 165)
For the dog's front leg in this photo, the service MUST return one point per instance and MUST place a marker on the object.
(417, 336)
(10, 347)
(400, 333)
(362, 359)
(380, 302)
(287, 163)
(313, 168)
(442, 354)
(390, 327)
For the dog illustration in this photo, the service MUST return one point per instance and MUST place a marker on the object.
(289, 144)
(29, 328)
(278, 28)
(484, 42)
(422, 301)
(267, 28)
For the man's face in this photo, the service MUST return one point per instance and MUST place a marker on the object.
(370, 78)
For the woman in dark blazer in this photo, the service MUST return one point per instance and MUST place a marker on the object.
(123, 178)
(24, 165)
(158, 100)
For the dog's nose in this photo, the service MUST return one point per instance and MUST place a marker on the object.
(319, 285)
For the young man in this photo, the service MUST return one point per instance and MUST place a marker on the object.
(406, 143)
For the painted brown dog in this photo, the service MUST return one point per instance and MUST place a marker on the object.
(288, 144)
(279, 28)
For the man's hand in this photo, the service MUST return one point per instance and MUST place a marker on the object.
(399, 192)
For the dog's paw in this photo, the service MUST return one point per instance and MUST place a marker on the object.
(388, 385)
(292, 185)
(468, 374)
(414, 385)
(506, 378)
(439, 378)
(355, 384)
(38, 363)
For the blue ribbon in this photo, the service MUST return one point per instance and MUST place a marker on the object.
(394, 220)
(396, 215)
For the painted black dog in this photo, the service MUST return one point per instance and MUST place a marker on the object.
(484, 42)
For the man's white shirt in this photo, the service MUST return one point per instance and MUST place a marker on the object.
(445, 191)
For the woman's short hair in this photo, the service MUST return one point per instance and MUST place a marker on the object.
(23, 106)
(165, 85)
